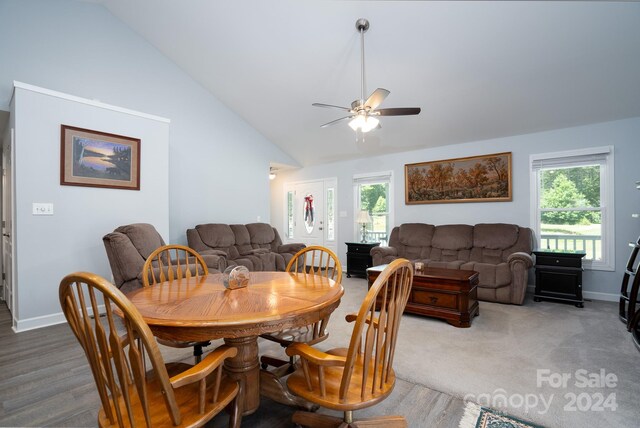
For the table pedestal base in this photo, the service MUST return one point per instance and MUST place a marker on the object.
(246, 366)
(273, 386)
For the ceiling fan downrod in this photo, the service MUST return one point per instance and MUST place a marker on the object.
(362, 25)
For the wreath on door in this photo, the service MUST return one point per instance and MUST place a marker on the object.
(308, 212)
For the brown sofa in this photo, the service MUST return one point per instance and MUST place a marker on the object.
(257, 246)
(128, 248)
(501, 253)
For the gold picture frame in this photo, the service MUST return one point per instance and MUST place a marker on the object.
(485, 178)
(99, 159)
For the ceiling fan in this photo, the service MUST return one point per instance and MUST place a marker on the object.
(364, 113)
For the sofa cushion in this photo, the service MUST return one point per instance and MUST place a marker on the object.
(243, 239)
(144, 237)
(485, 255)
(495, 236)
(216, 235)
(416, 234)
(453, 237)
(492, 275)
(455, 264)
(261, 233)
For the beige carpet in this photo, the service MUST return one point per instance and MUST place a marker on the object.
(495, 362)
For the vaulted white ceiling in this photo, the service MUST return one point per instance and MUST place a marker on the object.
(478, 70)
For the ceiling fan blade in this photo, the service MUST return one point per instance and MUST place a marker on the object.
(333, 122)
(399, 111)
(376, 98)
(330, 106)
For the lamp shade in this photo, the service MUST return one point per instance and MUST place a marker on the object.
(363, 217)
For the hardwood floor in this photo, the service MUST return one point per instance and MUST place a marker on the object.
(45, 381)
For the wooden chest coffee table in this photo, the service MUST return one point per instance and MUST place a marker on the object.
(449, 294)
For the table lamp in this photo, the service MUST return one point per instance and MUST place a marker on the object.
(364, 218)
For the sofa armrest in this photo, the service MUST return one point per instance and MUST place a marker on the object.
(382, 255)
(384, 251)
(291, 248)
(519, 264)
(215, 259)
(520, 257)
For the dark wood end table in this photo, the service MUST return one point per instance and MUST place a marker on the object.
(448, 294)
(359, 257)
(559, 276)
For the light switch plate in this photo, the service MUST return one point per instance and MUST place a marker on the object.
(42, 208)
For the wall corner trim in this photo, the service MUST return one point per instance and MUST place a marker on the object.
(86, 101)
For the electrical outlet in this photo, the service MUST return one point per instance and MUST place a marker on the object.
(41, 208)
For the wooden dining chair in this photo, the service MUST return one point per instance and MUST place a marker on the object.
(316, 260)
(173, 262)
(172, 395)
(360, 376)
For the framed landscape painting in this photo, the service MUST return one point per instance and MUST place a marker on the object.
(99, 159)
(485, 178)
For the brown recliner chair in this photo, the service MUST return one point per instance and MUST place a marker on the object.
(128, 247)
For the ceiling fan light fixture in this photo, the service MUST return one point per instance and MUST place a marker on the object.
(363, 123)
(364, 112)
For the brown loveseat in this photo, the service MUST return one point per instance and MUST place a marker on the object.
(128, 247)
(257, 246)
(501, 253)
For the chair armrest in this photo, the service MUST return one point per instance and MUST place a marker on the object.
(384, 251)
(314, 356)
(290, 248)
(520, 257)
(205, 367)
(352, 317)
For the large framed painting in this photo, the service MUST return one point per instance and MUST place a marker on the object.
(99, 159)
(485, 178)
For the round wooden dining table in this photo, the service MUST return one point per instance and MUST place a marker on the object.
(201, 309)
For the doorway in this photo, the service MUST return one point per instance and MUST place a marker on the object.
(311, 212)
(6, 199)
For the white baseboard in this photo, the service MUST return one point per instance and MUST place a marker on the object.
(591, 295)
(606, 297)
(43, 321)
(38, 322)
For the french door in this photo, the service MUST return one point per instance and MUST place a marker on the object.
(311, 212)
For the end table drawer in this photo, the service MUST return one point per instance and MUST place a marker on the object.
(549, 260)
(360, 249)
(433, 298)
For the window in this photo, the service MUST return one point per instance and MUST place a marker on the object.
(331, 217)
(290, 213)
(572, 196)
(372, 194)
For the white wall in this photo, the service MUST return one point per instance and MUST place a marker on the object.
(49, 247)
(218, 164)
(623, 135)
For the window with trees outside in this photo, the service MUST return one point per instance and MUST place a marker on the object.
(573, 196)
(372, 194)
